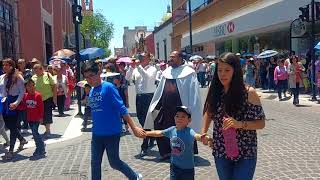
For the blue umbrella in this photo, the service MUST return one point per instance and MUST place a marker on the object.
(247, 54)
(267, 54)
(91, 53)
(317, 46)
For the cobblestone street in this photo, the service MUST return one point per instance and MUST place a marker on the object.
(288, 149)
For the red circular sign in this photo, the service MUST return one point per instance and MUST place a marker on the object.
(231, 27)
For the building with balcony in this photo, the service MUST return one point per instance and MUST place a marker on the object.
(246, 26)
(46, 29)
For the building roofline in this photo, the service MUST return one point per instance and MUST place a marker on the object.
(163, 25)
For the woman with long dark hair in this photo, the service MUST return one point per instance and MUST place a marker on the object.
(236, 113)
(12, 89)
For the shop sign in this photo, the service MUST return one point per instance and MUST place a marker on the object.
(224, 29)
(298, 28)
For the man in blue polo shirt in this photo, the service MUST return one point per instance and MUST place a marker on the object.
(107, 108)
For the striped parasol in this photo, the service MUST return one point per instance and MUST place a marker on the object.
(267, 54)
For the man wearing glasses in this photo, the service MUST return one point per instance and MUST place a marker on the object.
(107, 108)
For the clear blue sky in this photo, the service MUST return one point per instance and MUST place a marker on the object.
(131, 13)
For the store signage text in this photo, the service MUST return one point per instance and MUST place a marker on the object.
(224, 29)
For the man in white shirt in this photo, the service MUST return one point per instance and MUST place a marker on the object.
(145, 77)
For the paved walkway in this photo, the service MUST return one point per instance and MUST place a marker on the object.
(288, 149)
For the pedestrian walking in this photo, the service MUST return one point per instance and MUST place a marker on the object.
(178, 86)
(250, 73)
(295, 70)
(12, 90)
(202, 69)
(105, 101)
(281, 78)
(123, 92)
(144, 75)
(61, 82)
(270, 74)
(3, 131)
(35, 110)
(182, 140)
(46, 86)
(21, 109)
(87, 109)
(236, 113)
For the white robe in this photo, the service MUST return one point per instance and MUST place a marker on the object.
(188, 87)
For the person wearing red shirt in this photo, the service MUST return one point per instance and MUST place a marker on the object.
(35, 110)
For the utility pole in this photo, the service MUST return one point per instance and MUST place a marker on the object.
(305, 16)
(190, 27)
(77, 20)
(313, 59)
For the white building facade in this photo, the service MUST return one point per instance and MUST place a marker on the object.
(162, 40)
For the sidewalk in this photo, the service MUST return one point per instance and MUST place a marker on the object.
(303, 98)
(62, 129)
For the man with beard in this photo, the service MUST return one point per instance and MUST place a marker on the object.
(178, 87)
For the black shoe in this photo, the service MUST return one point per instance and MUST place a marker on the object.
(165, 157)
(143, 153)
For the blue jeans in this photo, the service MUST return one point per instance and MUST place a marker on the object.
(110, 144)
(235, 170)
(34, 126)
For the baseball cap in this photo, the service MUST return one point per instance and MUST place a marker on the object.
(183, 109)
(238, 54)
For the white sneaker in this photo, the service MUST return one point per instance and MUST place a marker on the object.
(139, 176)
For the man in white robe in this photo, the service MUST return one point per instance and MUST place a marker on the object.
(178, 86)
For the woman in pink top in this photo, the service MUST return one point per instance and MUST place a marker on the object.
(295, 70)
(281, 78)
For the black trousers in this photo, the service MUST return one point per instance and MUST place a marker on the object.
(142, 105)
(12, 124)
(60, 102)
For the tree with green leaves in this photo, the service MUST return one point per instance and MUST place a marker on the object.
(98, 30)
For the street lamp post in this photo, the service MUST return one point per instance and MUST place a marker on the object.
(190, 26)
(305, 16)
(313, 59)
(77, 18)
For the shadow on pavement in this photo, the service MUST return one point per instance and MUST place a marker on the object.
(271, 97)
(35, 158)
(16, 158)
(301, 105)
(272, 91)
(153, 156)
(64, 115)
(199, 161)
(51, 136)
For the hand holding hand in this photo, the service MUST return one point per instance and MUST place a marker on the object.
(206, 140)
(230, 122)
(139, 132)
(13, 106)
